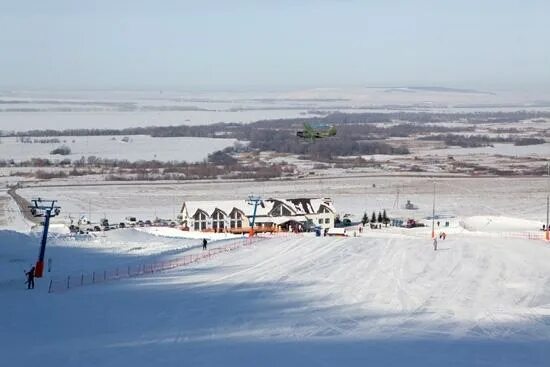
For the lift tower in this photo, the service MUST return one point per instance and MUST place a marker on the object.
(46, 209)
(254, 200)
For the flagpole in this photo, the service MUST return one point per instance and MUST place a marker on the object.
(548, 205)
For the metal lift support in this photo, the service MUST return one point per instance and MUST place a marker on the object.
(46, 209)
(254, 200)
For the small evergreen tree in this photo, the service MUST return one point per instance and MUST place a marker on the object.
(365, 219)
(385, 216)
(380, 219)
(373, 218)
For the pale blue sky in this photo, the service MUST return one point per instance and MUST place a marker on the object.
(273, 44)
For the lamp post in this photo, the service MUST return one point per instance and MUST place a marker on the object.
(548, 204)
(46, 209)
(433, 215)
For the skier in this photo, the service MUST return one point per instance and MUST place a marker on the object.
(435, 244)
(30, 278)
(204, 242)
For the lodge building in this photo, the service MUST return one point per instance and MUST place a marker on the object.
(272, 215)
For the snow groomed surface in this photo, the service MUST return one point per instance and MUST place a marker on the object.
(179, 258)
(293, 301)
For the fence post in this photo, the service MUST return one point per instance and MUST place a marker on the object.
(50, 287)
(93, 277)
(128, 270)
(68, 281)
(104, 275)
(81, 279)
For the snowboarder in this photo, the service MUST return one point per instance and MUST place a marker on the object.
(30, 278)
(435, 244)
(204, 242)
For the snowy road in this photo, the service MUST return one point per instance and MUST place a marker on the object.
(304, 301)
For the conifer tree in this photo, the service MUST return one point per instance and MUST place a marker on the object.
(365, 218)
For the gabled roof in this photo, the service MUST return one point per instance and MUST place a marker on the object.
(225, 206)
(301, 206)
(317, 203)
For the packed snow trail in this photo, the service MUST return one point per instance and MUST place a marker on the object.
(304, 301)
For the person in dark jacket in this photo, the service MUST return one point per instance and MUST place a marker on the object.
(204, 242)
(30, 278)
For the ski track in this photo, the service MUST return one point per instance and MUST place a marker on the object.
(458, 290)
(302, 289)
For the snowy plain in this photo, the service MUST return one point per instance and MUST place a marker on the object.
(455, 197)
(38, 109)
(138, 147)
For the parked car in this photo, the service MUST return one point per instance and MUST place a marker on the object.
(131, 221)
(411, 223)
(148, 223)
(122, 225)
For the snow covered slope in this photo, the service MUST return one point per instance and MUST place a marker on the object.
(304, 301)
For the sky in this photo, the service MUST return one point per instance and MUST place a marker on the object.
(236, 44)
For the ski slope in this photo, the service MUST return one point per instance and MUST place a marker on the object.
(294, 301)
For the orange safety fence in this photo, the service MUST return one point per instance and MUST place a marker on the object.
(96, 277)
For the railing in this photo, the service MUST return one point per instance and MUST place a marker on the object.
(96, 277)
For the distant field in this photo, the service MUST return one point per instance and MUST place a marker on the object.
(515, 197)
(137, 148)
(22, 121)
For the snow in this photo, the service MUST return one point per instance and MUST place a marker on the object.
(381, 297)
(456, 197)
(300, 300)
(537, 150)
(177, 233)
(487, 223)
(23, 121)
(109, 147)
(26, 110)
(10, 215)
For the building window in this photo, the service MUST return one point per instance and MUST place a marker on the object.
(280, 210)
(218, 221)
(320, 221)
(236, 219)
(200, 221)
(327, 220)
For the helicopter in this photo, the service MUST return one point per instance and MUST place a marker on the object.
(312, 133)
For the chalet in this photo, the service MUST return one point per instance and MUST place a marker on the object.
(272, 215)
